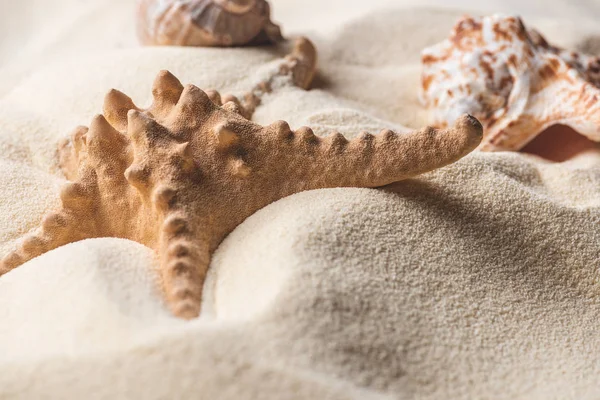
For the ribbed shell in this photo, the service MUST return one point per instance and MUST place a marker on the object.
(205, 22)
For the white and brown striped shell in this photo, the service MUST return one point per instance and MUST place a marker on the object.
(512, 80)
(205, 22)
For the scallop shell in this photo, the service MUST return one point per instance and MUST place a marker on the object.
(205, 22)
(179, 176)
(512, 80)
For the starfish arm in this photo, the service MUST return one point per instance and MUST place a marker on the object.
(184, 260)
(166, 176)
(71, 223)
(70, 151)
(378, 160)
(301, 63)
(91, 158)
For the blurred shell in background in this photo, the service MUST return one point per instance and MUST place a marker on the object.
(205, 22)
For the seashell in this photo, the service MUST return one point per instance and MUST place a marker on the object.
(205, 22)
(181, 175)
(512, 80)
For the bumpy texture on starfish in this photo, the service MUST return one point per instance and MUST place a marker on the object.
(512, 80)
(182, 174)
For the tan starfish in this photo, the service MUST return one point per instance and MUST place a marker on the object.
(182, 174)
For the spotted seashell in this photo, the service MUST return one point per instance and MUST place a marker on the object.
(512, 80)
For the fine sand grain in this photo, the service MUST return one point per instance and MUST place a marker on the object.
(480, 280)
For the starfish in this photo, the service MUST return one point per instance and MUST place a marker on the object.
(298, 65)
(512, 80)
(180, 175)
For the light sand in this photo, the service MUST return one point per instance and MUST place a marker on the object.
(480, 280)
